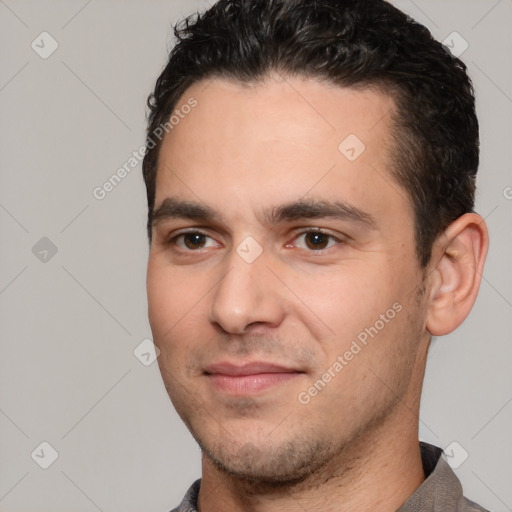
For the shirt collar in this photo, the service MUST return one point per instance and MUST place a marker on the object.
(441, 490)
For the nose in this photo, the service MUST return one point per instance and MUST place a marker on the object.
(248, 295)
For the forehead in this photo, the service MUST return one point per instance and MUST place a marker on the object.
(276, 140)
(293, 109)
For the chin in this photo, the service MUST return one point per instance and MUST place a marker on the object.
(269, 465)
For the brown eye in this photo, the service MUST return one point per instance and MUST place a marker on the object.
(317, 240)
(194, 240)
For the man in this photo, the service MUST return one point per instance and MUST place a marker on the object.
(310, 175)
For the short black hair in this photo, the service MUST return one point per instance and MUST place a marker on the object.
(351, 43)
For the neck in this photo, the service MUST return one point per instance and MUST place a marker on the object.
(378, 471)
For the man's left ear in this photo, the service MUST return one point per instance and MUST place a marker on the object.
(456, 267)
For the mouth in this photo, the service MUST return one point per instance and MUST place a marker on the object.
(250, 378)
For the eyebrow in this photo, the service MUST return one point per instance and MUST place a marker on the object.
(172, 208)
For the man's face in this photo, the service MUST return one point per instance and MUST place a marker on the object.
(279, 347)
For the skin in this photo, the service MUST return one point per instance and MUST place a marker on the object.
(242, 151)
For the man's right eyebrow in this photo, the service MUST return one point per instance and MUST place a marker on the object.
(173, 208)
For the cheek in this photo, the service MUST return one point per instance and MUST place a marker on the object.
(346, 299)
(173, 308)
(171, 298)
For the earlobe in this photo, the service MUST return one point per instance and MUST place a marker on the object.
(458, 259)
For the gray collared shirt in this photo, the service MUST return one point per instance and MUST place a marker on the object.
(440, 492)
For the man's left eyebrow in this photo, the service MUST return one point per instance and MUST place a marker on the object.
(298, 210)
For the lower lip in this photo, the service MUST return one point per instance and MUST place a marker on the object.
(249, 384)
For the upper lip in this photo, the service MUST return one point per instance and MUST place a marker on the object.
(253, 368)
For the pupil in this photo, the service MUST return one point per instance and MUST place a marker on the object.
(193, 240)
(318, 240)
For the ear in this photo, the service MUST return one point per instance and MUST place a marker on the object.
(456, 268)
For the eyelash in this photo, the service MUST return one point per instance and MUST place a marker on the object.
(172, 240)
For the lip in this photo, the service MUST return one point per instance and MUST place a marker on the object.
(250, 378)
(252, 368)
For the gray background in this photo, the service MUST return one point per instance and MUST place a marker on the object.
(70, 324)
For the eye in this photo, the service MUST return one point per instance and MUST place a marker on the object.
(192, 241)
(316, 240)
